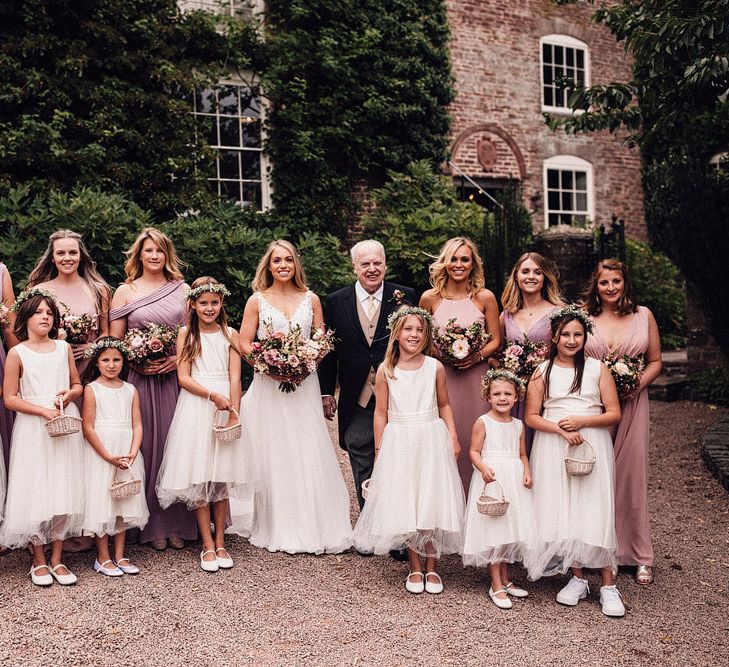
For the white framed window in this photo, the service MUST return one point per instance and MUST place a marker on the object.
(568, 191)
(561, 57)
(235, 8)
(230, 118)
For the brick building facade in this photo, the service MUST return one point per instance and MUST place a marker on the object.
(505, 58)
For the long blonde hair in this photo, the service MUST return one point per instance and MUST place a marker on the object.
(439, 268)
(192, 348)
(392, 354)
(512, 299)
(263, 278)
(45, 270)
(133, 266)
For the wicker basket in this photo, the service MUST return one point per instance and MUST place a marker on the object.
(365, 488)
(492, 506)
(63, 424)
(228, 434)
(579, 467)
(122, 489)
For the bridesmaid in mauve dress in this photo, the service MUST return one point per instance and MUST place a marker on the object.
(624, 327)
(458, 292)
(7, 298)
(154, 293)
(530, 295)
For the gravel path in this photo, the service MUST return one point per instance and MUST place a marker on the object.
(347, 610)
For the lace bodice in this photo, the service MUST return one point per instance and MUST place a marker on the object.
(267, 313)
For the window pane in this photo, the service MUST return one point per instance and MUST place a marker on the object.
(548, 79)
(553, 219)
(552, 178)
(251, 194)
(579, 219)
(251, 134)
(229, 164)
(205, 101)
(580, 57)
(230, 190)
(567, 201)
(229, 132)
(559, 55)
(581, 180)
(547, 53)
(567, 180)
(565, 219)
(251, 165)
(570, 55)
(249, 102)
(548, 97)
(580, 202)
(559, 98)
(228, 100)
(552, 200)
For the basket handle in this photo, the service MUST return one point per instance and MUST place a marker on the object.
(501, 488)
(127, 467)
(60, 405)
(584, 442)
(232, 409)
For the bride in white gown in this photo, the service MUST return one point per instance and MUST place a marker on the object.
(302, 503)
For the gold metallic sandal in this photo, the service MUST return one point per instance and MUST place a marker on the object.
(644, 574)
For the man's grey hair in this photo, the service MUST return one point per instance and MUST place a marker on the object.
(364, 246)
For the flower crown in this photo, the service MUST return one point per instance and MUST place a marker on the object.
(573, 310)
(503, 374)
(218, 288)
(106, 343)
(404, 311)
(30, 293)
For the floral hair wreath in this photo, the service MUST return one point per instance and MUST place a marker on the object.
(395, 315)
(218, 288)
(503, 374)
(34, 291)
(573, 310)
(108, 343)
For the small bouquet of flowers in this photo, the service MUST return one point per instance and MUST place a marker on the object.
(522, 358)
(290, 355)
(155, 341)
(455, 342)
(4, 315)
(75, 329)
(626, 372)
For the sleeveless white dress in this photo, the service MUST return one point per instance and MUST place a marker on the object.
(45, 496)
(196, 468)
(415, 494)
(302, 503)
(113, 424)
(575, 515)
(512, 537)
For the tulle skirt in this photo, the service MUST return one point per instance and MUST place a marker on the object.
(197, 468)
(415, 496)
(103, 515)
(510, 538)
(45, 494)
(575, 515)
(301, 504)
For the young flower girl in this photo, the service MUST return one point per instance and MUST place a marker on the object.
(415, 496)
(45, 495)
(498, 454)
(571, 402)
(198, 468)
(112, 424)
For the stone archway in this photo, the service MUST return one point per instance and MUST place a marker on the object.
(487, 151)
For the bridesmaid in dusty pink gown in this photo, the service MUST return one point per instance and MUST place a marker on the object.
(458, 292)
(154, 293)
(624, 327)
(531, 293)
(7, 298)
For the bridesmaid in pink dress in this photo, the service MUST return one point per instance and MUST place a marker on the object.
(530, 295)
(458, 292)
(624, 327)
(7, 298)
(154, 292)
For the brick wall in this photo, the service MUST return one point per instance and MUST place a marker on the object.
(496, 65)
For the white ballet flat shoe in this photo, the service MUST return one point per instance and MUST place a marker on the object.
(40, 579)
(128, 568)
(114, 571)
(223, 562)
(209, 565)
(415, 587)
(64, 579)
(501, 604)
(515, 591)
(433, 587)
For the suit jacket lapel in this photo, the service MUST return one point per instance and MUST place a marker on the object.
(353, 316)
(388, 305)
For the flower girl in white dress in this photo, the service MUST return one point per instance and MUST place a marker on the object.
(113, 430)
(415, 496)
(572, 400)
(45, 495)
(498, 454)
(198, 468)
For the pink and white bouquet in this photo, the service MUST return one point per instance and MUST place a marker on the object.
(291, 355)
(522, 358)
(147, 344)
(626, 372)
(4, 315)
(456, 342)
(75, 329)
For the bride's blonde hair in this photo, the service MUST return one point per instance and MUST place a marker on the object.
(263, 278)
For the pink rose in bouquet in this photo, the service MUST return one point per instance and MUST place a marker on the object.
(522, 358)
(152, 342)
(75, 329)
(455, 342)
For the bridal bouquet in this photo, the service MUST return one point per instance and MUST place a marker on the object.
(155, 341)
(626, 372)
(75, 329)
(455, 342)
(522, 358)
(4, 315)
(290, 355)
